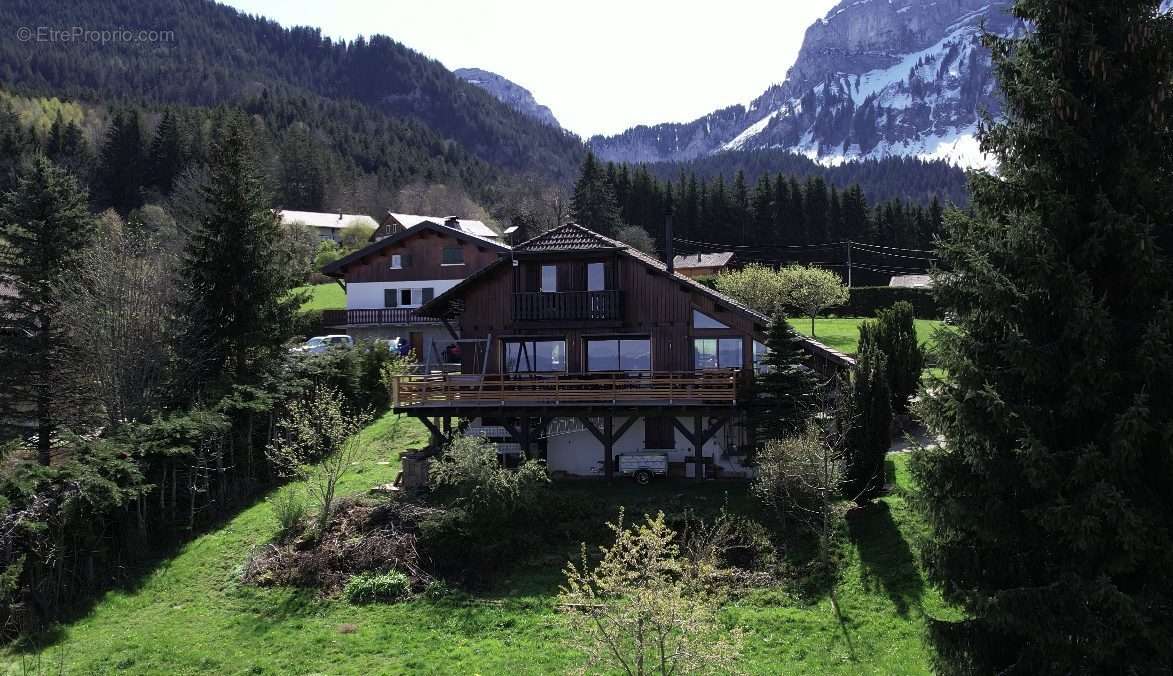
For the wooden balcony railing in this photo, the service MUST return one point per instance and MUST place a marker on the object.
(390, 315)
(691, 388)
(568, 305)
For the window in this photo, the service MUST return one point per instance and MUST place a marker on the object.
(428, 295)
(759, 357)
(452, 255)
(400, 261)
(619, 354)
(701, 320)
(390, 298)
(716, 353)
(549, 278)
(535, 356)
(596, 281)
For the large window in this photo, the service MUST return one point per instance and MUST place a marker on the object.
(549, 278)
(717, 353)
(619, 354)
(535, 356)
(407, 297)
(759, 357)
(596, 279)
(452, 255)
(701, 320)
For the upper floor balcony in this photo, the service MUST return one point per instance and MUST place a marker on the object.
(568, 305)
(373, 317)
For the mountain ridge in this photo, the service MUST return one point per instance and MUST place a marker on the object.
(510, 93)
(874, 78)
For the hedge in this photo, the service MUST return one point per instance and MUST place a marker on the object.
(866, 300)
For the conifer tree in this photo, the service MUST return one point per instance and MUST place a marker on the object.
(44, 229)
(122, 164)
(786, 393)
(868, 417)
(235, 278)
(593, 204)
(67, 148)
(167, 155)
(895, 335)
(1049, 501)
(763, 211)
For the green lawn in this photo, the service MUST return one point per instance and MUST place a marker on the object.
(843, 333)
(190, 615)
(324, 297)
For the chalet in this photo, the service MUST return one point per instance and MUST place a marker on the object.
(582, 348)
(703, 264)
(327, 225)
(388, 280)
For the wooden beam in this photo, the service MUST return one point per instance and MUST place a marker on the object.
(624, 427)
(590, 426)
(514, 433)
(437, 435)
(609, 447)
(525, 436)
(697, 446)
(708, 434)
(683, 430)
(451, 330)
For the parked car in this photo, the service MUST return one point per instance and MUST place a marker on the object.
(319, 344)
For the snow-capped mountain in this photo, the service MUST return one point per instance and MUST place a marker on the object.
(874, 78)
(512, 94)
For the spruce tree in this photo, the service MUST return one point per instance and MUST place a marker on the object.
(167, 155)
(45, 227)
(593, 204)
(868, 417)
(235, 280)
(122, 164)
(1050, 502)
(895, 335)
(786, 393)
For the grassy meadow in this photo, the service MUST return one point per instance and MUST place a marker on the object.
(190, 614)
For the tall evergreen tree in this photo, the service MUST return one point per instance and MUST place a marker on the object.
(593, 204)
(167, 153)
(868, 418)
(1050, 501)
(235, 278)
(816, 210)
(45, 227)
(786, 394)
(762, 207)
(67, 148)
(122, 164)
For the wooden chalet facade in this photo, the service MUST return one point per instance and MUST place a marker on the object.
(582, 348)
(388, 280)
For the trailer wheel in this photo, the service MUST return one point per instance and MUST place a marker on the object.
(643, 477)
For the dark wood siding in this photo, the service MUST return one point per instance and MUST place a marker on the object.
(425, 250)
(654, 305)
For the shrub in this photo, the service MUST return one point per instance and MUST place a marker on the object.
(865, 301)
(289, 510)
(894, 333)
(638, 610)
(377, 587)
(469, 467)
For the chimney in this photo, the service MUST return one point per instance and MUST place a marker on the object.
(668, 244)
(340, 213)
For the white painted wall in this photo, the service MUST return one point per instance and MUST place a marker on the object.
(580, 454)
(369, 295)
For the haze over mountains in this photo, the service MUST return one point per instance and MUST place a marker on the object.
(874, 78)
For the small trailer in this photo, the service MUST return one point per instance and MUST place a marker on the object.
(643, 466)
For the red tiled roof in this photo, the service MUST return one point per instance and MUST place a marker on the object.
(569, 237)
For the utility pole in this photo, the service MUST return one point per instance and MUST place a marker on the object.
(849, 264)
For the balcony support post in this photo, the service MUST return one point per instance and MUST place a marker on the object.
(609, 446)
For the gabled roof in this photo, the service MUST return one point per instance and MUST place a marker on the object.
(702, 260)
(467, 225)
(569, 237)
(336, 268)
(574, 237)
(912, 281)
(319, 219)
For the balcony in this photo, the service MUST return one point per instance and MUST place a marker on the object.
(373, 317)
(703, 388)
(568, 306)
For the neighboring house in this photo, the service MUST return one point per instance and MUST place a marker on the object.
(394, 224)
(703, 264)
(582, 348)
(912, 281)
(327, 225)
(390, 278)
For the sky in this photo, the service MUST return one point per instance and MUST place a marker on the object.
(601, 66)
